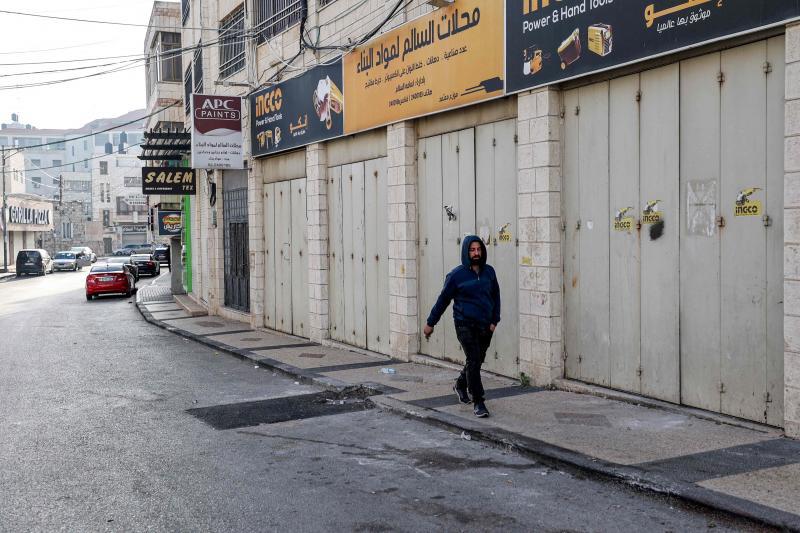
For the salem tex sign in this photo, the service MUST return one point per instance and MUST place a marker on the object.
(166, 180)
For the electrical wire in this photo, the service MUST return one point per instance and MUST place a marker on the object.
(24, 52)
(116, 126)
(131, 24)
(119, 151)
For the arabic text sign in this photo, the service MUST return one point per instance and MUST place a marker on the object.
(217, 131)
(448, 58)
(553, 40)
(168, 180)
(169, 222)
(299, 111)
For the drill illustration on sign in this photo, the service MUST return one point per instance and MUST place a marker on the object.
(650, 213)
(745, 207)
(622, 222)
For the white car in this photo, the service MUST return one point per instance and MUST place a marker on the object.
(69, 261)
(85, 250)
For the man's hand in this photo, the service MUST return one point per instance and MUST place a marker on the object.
(427, 331)
(491, 327)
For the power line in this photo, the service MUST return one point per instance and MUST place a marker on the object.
(23, 52)
(70, 19)
(119, 151)
(63, 69)
(117, 126)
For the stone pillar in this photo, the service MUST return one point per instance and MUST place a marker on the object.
(255, 224)
(318, 261)
(791, 248)
(539, 211)
(402, 203)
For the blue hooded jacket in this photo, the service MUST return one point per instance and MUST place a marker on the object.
(477, 296)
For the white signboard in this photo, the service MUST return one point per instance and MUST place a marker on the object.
(217, 132)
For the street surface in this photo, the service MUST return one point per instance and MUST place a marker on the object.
(96, 434)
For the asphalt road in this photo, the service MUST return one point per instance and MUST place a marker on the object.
(97, 434)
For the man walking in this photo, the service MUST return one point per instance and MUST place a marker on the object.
(476, 312)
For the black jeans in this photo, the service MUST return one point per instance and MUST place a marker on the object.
(475, 341)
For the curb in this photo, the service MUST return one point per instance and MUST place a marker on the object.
(533, 448)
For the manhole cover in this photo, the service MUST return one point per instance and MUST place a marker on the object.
(209, 324)
(582, 419)
(312, 355)
(250, 339)
(275, 410)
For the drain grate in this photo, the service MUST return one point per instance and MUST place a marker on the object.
(209, 324)
(276, 410)
(312, 355)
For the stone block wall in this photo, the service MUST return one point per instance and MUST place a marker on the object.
(540, 262)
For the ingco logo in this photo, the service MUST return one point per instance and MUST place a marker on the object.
(269, 102)
(529, 6)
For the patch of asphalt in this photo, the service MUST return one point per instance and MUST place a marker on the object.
(534, 448)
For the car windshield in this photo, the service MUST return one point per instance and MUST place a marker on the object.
(65, 255)
(107, 267)
(28, 256)
(140, 257)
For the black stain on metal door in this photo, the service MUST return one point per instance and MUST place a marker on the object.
(237, 264)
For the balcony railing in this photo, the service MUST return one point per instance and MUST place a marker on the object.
(275, 16)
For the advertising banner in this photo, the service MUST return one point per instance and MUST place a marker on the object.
(554, 40)
(169, 223)
(217, 132)
(168, 180)
(299, 111)
(449, 58)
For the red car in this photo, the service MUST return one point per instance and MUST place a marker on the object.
(109, 278)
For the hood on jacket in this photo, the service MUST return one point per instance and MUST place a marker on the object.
(468, 240)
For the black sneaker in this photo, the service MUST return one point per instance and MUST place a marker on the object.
(463, 397)
(481, 411)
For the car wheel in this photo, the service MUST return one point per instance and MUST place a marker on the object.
(89, 297)
(19, 275)
(44, 271)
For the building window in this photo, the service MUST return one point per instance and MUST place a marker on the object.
(106, 218)
(231, 45)
(187, 89)
(109, 148)
(275, 16)
(56, 163)
(132, 181)
(59, 146)
(185, 4)
(37, 163)
(198, 68)
(104, 168)
(66, 230)
(169, 64)
(37, 182)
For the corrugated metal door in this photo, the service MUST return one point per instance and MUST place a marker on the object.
(496, 207)
(359, 254)
(455, 169)
(694, 290)
(446, 213)
(286, 268)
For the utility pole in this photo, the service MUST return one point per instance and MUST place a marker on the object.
(5, 219)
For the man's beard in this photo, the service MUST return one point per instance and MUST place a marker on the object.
(475, 260)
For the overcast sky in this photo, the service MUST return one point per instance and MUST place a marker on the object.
(74, 103)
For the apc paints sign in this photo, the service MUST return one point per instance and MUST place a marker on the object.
(548, 41)
(217, 132)
(168, 180)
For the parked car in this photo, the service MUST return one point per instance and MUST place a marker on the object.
(86, 251)
(128, 249)
(69, 261)
(34, 261)
(161, 253)
(147, 264)
(127, 263)
(109, 278)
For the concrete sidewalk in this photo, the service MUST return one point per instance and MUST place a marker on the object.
(740, 468)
